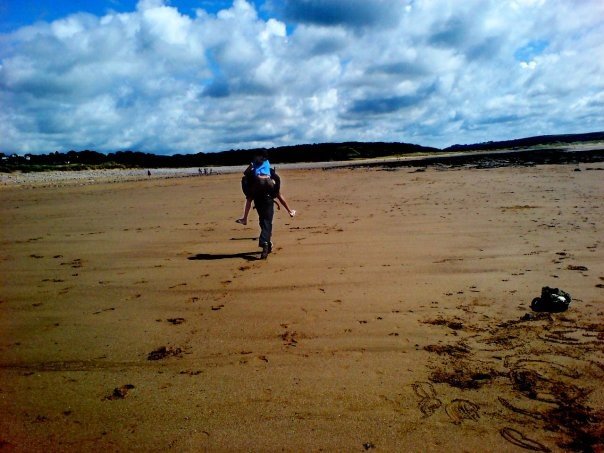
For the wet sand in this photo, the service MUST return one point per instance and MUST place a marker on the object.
(393, 315)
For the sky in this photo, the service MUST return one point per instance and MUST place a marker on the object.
(188, 76)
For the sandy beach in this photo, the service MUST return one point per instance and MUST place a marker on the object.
(393, 314)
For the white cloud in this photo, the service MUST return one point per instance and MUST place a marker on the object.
(433, 72)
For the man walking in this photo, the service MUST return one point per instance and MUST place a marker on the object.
(266, 210)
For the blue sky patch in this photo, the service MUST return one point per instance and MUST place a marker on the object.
(531, 50)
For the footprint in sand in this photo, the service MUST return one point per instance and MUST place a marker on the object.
(103, 310)
(75, 264)
(289, 338)
(177, 285)
(176, 321)
(517, 438)
(119, 393)
(460, 409)
(163, 352)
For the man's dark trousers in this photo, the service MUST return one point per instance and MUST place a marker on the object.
(266, 210)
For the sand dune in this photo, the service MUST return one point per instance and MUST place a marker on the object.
(394, 314)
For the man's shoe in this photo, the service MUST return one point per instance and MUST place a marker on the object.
(265, 251)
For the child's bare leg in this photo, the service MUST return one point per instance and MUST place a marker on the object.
(248, 206)
(291, 212)
(246, 211)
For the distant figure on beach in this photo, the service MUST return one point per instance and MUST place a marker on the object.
(258, 176)
(149, 173)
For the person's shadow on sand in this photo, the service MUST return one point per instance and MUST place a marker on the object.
(248, 256)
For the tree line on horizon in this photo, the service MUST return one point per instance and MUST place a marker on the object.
(75, 160)
(530, 141)
(321, 152)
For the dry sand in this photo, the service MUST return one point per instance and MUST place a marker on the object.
(393, 315)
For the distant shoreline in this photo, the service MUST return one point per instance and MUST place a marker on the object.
(569, 154)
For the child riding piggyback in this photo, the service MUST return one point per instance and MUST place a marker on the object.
(257, 177)
(260, 167)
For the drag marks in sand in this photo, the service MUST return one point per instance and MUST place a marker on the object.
(461, 409)
(538, 374)
(428, 403)
(517, 438)
(457, 410)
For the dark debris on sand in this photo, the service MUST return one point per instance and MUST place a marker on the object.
(456, 350)
(583, 426)
(163, 352)
(451, 324)
(119, 393)
(460, 377)
(527, 317)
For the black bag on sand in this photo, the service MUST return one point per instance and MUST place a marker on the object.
(552, 300)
